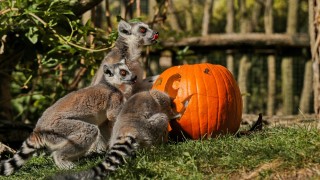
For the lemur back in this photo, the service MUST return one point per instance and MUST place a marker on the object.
(142, 122)
(132, 37)
(78, 123)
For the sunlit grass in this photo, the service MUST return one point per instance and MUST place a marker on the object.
(273, 152)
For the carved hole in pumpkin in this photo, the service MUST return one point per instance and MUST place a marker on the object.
(185, 104)
(172, 85)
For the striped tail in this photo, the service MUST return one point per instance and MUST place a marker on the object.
(29, 146)
(124, 147)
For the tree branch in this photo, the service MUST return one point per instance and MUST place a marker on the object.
(81, 6)
(239, 40)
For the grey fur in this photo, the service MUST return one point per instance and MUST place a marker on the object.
(142, 122)
(78, 123)
(129, 46)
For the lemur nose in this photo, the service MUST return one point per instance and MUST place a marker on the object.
(134, 79)
(155, 35)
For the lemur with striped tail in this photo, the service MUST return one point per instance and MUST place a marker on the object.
(142, 122)
(77, 124)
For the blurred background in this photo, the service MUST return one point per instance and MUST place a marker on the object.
(49, 48)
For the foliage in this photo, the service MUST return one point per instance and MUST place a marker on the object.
(272, 153)
(55, 48)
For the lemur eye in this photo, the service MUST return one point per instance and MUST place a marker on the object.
(123, 72)
(142, 29)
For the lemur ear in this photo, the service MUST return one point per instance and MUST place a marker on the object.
(108, 70)
(124, 28)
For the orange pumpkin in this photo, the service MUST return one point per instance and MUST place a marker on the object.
(206, 95)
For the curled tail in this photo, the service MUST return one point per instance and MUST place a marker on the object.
(29, 146)
(123, 147)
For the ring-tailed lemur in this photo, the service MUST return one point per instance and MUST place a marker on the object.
(142, 122)
(77, 123)
(132, 37)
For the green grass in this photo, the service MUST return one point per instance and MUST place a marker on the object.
(271, 153)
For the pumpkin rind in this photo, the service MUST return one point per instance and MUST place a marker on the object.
(206, 95)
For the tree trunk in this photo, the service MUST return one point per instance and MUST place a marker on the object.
(99, 18)
(207, 13)
(314, 27)
(8, 61)
(81, 6)
(108, 16)
(230, 29)
(126, 9)
(123, 8)
(306, 94)
(268, 25)
(152, 6)
(5, 96)
(287, 64)
(138, 8)
(173, 19)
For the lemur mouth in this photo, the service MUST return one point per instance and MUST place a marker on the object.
(155, 37)
(133, 80)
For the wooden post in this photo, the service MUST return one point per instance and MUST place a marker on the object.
(207, 12)
(268, 26)
(230, 29)
(245, 64)
(287, 64)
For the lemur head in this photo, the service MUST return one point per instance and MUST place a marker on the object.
(118, 73)
(166, 103)
(138, 33)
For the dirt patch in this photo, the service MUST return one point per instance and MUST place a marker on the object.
(256, 172)
(272, 170)
(308, 120)
(312, 172)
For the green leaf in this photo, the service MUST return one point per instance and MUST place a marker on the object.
(33, 35)
(40, 100)
(50, 62)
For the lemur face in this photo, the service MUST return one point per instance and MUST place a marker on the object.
(119, 73)
(146, 35)
(137, 32)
